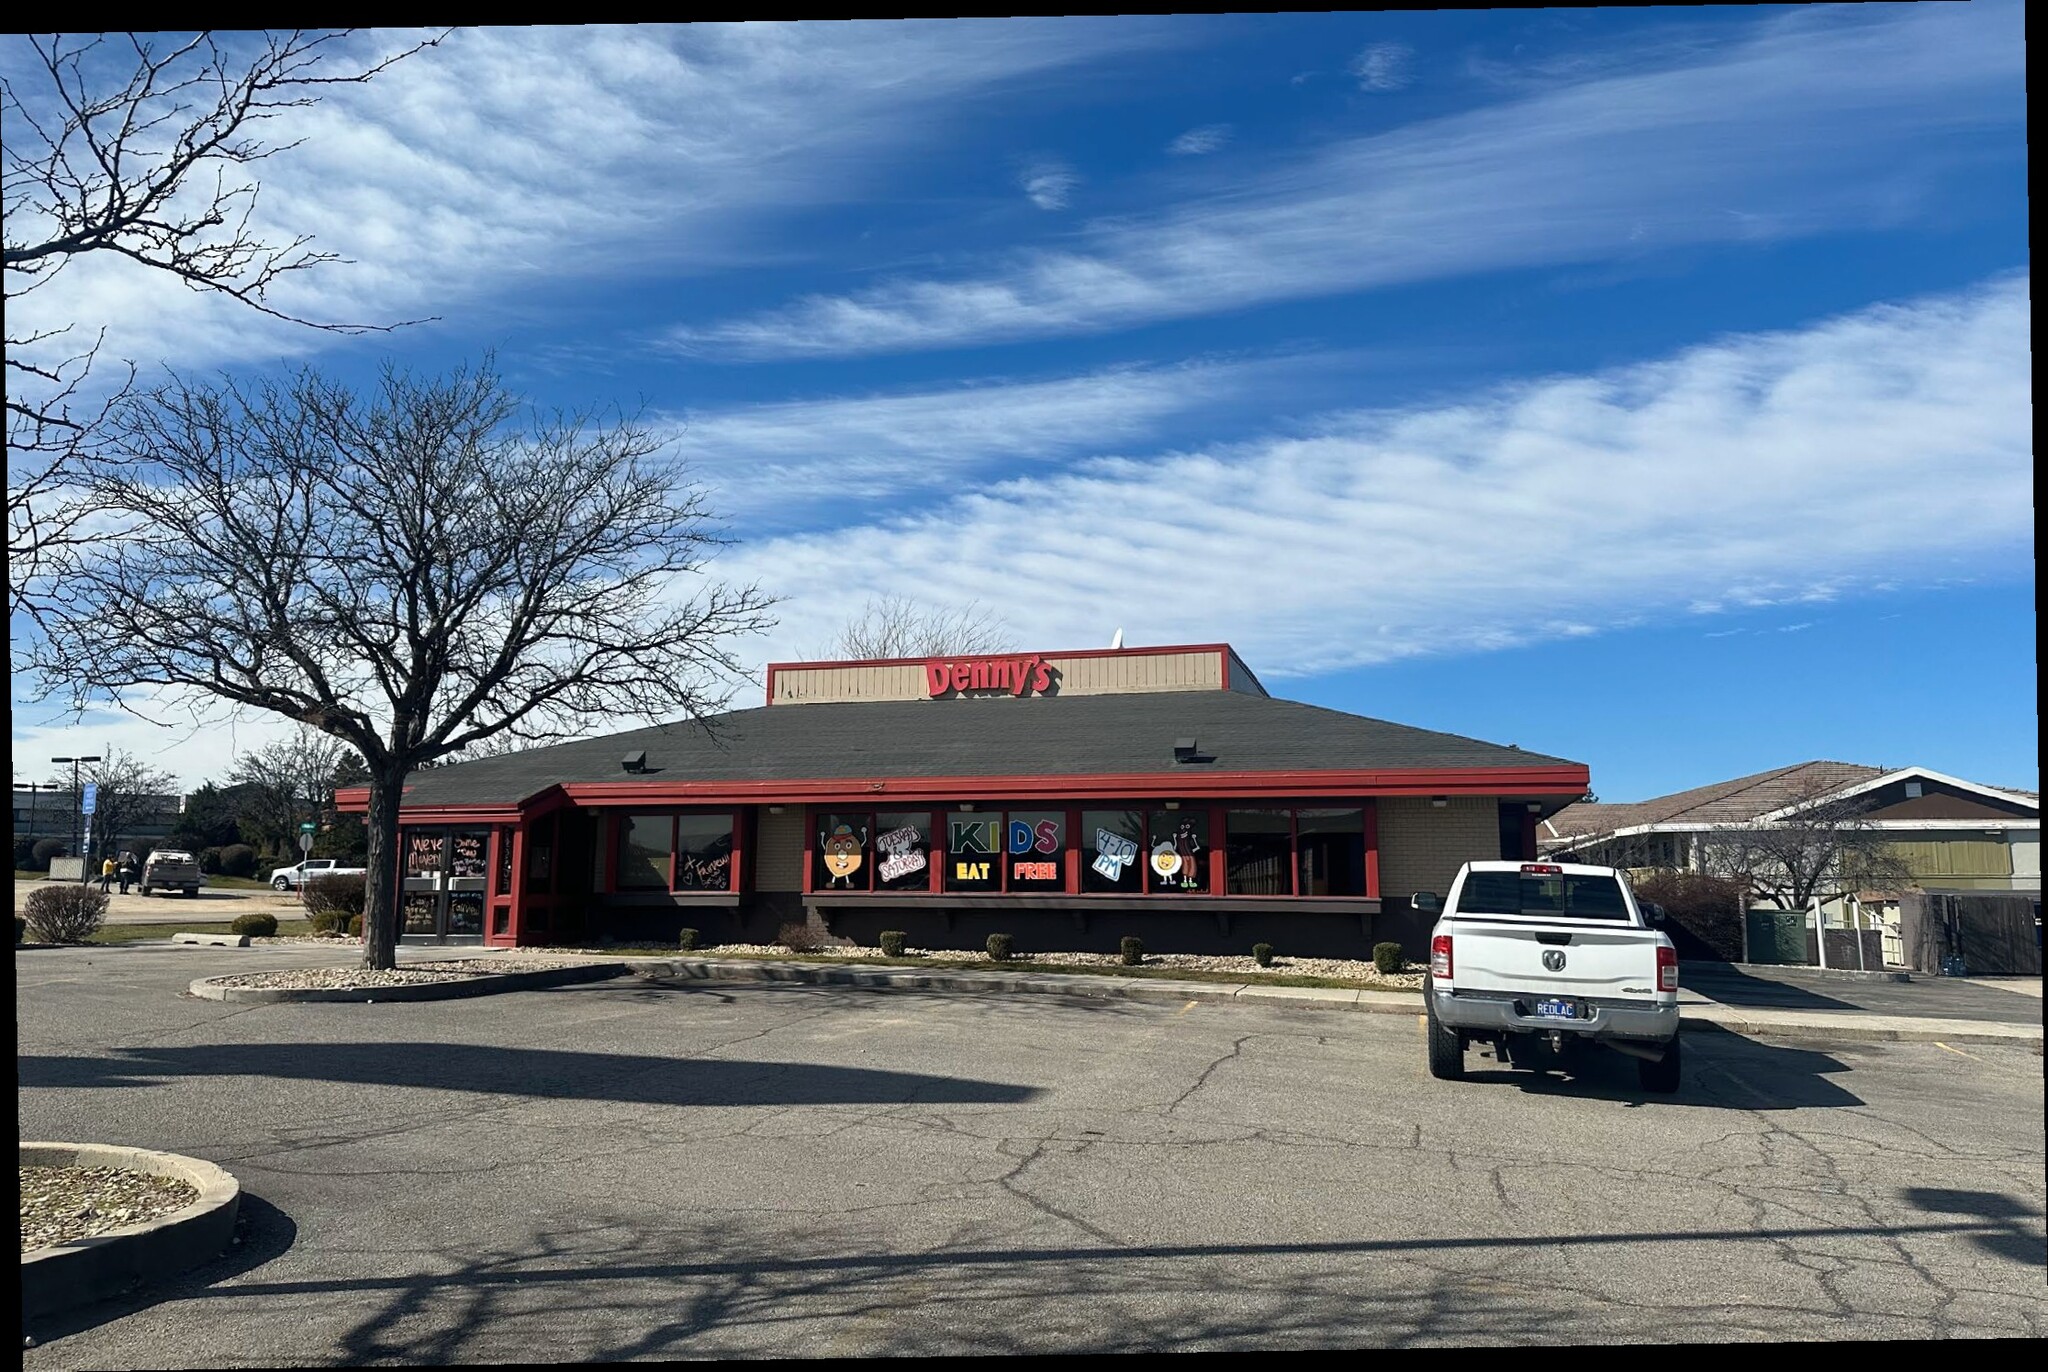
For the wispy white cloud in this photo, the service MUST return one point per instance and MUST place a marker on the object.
(1816, 122)
(1382, 67)
(781, 465)
(1048, 184)
(514, 158)
(1758, 469)
(1197, 142)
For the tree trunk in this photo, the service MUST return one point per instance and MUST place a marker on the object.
(381, 889)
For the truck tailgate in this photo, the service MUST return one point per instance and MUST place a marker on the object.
(1602, 960)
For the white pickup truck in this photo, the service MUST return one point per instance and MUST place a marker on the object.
(1542, 959)
(312, 869)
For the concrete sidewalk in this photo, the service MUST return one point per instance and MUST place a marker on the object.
(1807, 1025)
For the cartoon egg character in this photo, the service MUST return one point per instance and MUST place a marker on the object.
(842, 850)
(1165, 860)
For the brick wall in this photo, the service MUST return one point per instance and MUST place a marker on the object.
(779, 861)
(1422, 847)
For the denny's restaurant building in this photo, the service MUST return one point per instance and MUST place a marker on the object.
(1067, 799)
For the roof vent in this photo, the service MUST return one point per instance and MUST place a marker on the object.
(635, 762)
(1913, 789)
(1183, 750)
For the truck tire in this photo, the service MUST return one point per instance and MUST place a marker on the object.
(1661, 1076)
(1446, 1048)
(281, 884)
(191, 890)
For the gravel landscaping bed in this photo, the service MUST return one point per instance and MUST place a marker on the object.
(354, 978)
(1242, 965)
(63, 1204)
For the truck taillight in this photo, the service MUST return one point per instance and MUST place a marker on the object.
(1667, 969)
(1440, 957)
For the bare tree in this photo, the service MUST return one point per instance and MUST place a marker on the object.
(895, 626)
(1821, 844)
(290, 782)
(128, 791)
(409, 572)
(139, 146)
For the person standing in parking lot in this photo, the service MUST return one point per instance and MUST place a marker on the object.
(126, 871)
(106, 873)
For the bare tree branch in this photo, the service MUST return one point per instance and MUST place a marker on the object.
(411, 572)
(895, 626)
(1823, 846)
(127, 146)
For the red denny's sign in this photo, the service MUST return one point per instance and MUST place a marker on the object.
(1013, 674)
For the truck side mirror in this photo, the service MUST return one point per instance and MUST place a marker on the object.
(1425, 901)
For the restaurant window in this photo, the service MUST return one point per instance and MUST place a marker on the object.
(501, 880)
(1035, 850)
(1331, 852)
(840, 861)
(646, 844)
(540, 855)
(974, 851)
(1177, 863)
(1112, 851)
(704, 852)
(1258, 852)
(903, 850)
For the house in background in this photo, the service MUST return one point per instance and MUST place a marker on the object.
(1954, 836)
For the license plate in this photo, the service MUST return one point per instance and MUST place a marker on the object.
(1557, 1009)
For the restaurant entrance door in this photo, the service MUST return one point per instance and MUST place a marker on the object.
(444, 885)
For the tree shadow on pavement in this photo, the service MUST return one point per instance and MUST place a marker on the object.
(262, 1233)
(643, 1286)
(2011, 1239)
(538, 1073)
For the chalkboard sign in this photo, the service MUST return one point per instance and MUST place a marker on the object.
(422, 854)
(469, 855)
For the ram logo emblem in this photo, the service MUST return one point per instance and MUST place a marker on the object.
(1553, 960)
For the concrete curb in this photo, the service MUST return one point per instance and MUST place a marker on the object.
(105, 1265)
(1835, 1027)
(213, 940)
(207, 988)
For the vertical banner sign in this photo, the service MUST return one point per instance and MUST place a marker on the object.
(89, 798)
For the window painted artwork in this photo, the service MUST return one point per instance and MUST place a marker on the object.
(902, 853)
(843, 851)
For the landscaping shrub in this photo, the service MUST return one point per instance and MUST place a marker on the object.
(355, 926)
(255, 925)
(66, 913)
(686, 939)
(798, 937)
(1387, 958)
(1132, 949)
(45, 849)
(25, 855)
(238, 860)
(323, 922)
(20, 928)
(1701, 913)
(893, 941)
(335, 897)
(1262, 954)
(209, 861)
(1001, 947)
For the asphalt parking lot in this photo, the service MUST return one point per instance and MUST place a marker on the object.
(646, 1170)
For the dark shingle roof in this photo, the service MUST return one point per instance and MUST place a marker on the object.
(1005, 736)
(1723, 802)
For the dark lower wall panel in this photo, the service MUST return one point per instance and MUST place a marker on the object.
(762, 915)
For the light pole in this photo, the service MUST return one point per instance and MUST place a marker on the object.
(77, 807)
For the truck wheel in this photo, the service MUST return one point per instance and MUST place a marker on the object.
(1661, 1076)
(1446, 1048)
(191, 890)
(280, 885)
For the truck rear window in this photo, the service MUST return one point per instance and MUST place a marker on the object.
(1518, 893)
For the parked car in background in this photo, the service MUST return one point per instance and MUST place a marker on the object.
(170, 869)
(312, 869)
(1544, 960)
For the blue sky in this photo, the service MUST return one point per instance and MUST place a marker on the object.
(1645, 386)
